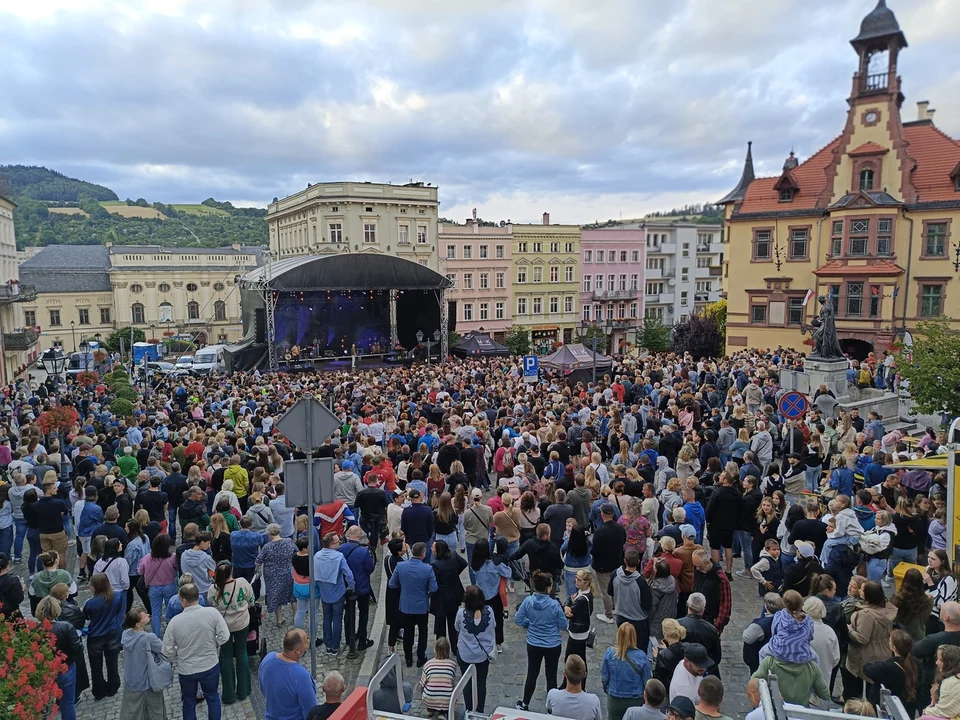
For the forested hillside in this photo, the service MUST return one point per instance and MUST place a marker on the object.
(39, 183)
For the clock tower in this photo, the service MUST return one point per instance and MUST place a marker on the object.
(872, 155)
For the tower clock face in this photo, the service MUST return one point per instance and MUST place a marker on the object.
(871, 117)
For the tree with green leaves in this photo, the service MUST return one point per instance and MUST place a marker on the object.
(518, 340)
(718, 311)
(654, 336)
(112, 341)
(698, 335)
(591, 333)
(931, 369)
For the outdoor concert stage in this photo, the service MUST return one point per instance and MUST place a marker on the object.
(322, 311)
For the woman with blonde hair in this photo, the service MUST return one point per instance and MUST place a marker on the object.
(670, 652)
(220, 547)
(624, 673)
(579, 611)
(688, 464)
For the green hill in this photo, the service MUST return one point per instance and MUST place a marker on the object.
(106, 218)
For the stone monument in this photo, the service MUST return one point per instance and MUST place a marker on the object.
(826, 365)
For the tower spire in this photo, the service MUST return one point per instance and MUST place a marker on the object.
(746, 177)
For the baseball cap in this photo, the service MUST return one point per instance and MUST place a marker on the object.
(683, 706)
(688, 530)
(805, 549)
(413, 493)
(697, 654)
(347, 465)
(476, 493)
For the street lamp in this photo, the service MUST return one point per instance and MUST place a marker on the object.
(593, 346)
(84, 349)
(430, 343)
(99, 347)
(54, 363)
(73, 334)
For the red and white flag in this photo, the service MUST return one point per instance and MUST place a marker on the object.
(806, 298)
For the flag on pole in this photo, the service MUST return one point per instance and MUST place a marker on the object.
(806, 298)
(896, 291)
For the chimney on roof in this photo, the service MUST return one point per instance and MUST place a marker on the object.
(546, 218)
(923, 112)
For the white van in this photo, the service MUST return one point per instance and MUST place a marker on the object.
(209, 360)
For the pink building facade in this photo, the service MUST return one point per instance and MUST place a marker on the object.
(612, 279)
(477, 259)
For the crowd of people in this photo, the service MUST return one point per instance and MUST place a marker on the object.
(627, 503)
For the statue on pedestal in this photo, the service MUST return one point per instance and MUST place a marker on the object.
(824, 331)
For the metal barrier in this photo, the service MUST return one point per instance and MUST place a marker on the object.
(458, 690)
(394, 664)
(774, 708)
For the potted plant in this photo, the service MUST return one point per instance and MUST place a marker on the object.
(29, 666)
(57, 419)
(87, 378)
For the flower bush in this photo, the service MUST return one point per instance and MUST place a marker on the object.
(87, 378)
(57, 419)
(29, 666)
(100, 355)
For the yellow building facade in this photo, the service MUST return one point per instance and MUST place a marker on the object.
(865, 222)
(546, 282)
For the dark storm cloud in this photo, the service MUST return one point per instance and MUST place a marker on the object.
(536, 100)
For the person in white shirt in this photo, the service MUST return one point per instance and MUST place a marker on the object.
(192, 640)
(572, 701)
(689, 674)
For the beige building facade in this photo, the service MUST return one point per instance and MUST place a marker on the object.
(18, 343)
(348, 217)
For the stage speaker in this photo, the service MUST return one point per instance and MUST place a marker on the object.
(260, 325)
(452, 315)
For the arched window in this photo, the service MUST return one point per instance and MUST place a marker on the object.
(166, 312)
(136, 314)
(193, 310)
(163, 287)
(220, 311)
(136, 288)
(866, 179)
(218, 286)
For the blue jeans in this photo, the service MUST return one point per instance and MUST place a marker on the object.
(172, 524)
(159, 597)
(33, 540)
(876, 569)
(812, 477)
(21, 534)
(450, 540)
(746, 548)
(303, 605)
(6, 539)
(209, 684)
(473, 575)
(899, 555)
(67, 682)
(332, 624)
(831, 543)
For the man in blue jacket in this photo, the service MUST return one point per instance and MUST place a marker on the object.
(415, 580)
(334, 578)
(361, 564)
(695, 514)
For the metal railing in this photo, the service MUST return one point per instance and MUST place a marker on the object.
(615, 294)
(393, 665)
(774, 707)
(17, 293)
(876, 82)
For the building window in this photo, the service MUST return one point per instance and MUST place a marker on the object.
(655, 313)
(468, 281)
(484, 311)
(611, 282)
(855, 299)
(136, 288)
(219, 287)
(657, 263)
(634, 282)
(703, 262)
(421, 234)
(569, 247)
(866, 179)
(163, 287)
(634, 309)
(761, 245)
(83, 316)
(554, 247)
(568, 304)
(654, 288)
(500, 252)
(404, 235)
(601, 256)
(686, 249)
(703, 286)
(484, 254)
(136, 314)
(795, 311)
(586, 313)
(588, 256)
(193, 310)
(554, 273)
(621, 311)
(220, 311)
(931, 300)
(683, 298)
(521, 306)
(758, 314)
(597, 313)
(484, 281)
(369, 232)
(498, 311)
(537, 305)
(30, 318)
(521, 247)
(884, 246)
(935, 241)
(635, 256)
(835, 298)
(452, 277)
(538, 274)
(468, 311)
(521, 275)
(336, 232)
(623, 256)
(191, 287)
(423, 262)
(836, 238)
(468, 252)
(451, 252)
(587, 283)
(538, 247)
(568, 274)
(55, 318)
(786, 195)
(684, 274)
(554, 305)
(166, 312)
(623, 282)
(876, 293)
(859, 230)
(610, 311)
(501, 280)
(799, 244)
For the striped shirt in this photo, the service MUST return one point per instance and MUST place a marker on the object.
(438, 680)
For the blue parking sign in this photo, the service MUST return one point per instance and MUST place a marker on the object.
(531, 368)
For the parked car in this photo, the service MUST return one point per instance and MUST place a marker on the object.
(185, 363)
(209, 360)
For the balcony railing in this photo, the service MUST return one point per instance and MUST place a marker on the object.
(876, 82)
(716, 270)
(17, 293)
(21, 339)
(601, 295)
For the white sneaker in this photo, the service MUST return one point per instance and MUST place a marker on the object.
(603, 618)
(499, 649)
(743, 574)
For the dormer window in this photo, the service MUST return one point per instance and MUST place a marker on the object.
(866, 179)
(956, 183)
(786, 195)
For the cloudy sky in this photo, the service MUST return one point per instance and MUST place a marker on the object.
(589, 109)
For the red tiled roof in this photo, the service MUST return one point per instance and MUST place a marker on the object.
(868, 148)
(936, 154)
(839, 268)
(809, 176)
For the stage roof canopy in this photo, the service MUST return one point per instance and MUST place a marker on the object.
(346, 271)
